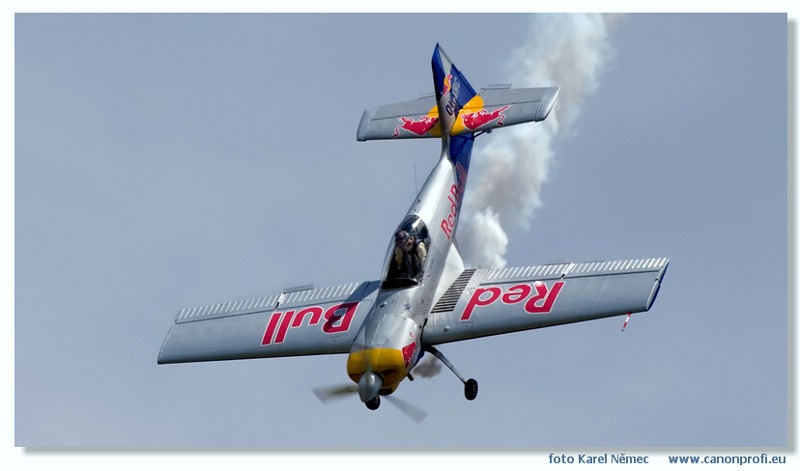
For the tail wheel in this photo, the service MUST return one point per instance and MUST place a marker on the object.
(471, 389)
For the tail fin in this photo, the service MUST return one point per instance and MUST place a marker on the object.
(453, 91)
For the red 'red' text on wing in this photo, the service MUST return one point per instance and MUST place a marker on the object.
(538, 298)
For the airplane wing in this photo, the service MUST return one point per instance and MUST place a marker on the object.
(300, 321)
(486, 302)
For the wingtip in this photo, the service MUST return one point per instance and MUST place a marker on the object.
(366, 117)
(548, 101)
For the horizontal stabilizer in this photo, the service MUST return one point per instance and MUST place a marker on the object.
(415, 118)
(492, 108)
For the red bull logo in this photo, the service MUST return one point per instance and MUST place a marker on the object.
(420, 127)
(408, 353)
(446, 86)
(473, 121)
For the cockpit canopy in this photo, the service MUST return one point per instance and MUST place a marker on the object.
(408, 252)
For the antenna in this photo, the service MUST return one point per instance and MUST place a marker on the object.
(416, 186)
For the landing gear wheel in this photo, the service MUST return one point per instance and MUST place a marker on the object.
(373, 403)
(471, 389)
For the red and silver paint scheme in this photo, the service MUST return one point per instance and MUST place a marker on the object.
(425, 296)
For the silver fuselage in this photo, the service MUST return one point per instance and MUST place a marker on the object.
(388, 342)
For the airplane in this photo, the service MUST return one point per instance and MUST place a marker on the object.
(426, 297)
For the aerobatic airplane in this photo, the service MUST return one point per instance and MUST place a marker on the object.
(425, 296)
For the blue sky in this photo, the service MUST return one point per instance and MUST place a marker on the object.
(173, 160)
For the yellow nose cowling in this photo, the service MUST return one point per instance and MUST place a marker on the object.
(388, 363)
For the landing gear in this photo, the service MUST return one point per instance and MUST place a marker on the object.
(470, 385)
(373, 403)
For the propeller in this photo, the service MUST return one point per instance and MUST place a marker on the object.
(334, 393)
(410, 410)
(371, 383)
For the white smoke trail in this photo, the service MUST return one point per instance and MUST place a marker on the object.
(566, 50)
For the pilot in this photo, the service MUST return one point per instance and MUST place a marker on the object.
(409, 254)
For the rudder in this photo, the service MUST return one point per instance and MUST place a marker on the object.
(453, 91)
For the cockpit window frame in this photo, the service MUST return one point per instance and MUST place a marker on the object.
(407, 257)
